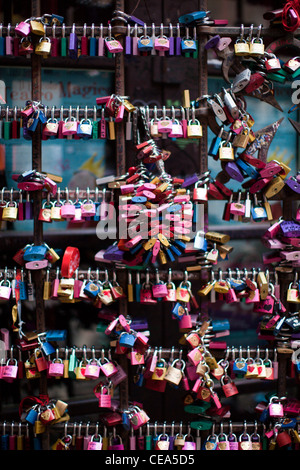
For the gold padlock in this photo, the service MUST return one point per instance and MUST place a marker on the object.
(293, 294)
(10, 212)
(241, 47)
(43, 47)
(194, 129)
(256, 47)
(274, 187)
(262, 285)
(37, 27)
(206, 289)
(241, 140)
(226, 152)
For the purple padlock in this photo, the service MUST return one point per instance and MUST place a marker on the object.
(234, 172)
(190, 180)
(290, 229)
(293, 184)
(212, 42)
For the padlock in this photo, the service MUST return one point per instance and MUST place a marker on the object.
(10, 370)
(127, 340)
(283, 439)
(171, 295)
(177, 130)
(23, 28)
(160, 370)
(159, 290)
(241, 140)
(188, 45)
(275, 409)
(56, 368)
(272, 63)
(292, 65)
(241, 47)
(145, 44)
(85, 128)
(228, 386)
(241, 80)
(69, 126)
(256, 47)
(37, 27)
(113, 45)
(5, 289)
(174, 375)
(10, 212)
(146, 295)
(164, 125)
(162, 43)
(240, 366)
(116, 443)
(200, 193)
(194, 129)
(162, 442)
(40, 360)
(138, 418)
(43, 47)
(245, 442)
(104, 397)
(226, 151)
(95, 443)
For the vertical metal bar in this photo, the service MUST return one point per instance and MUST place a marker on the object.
(36, 94)
(121, 169)
(120, 90)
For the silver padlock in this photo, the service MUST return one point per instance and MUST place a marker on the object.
(241, 80)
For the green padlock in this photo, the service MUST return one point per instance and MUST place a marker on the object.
(73, 362)
(63, 42)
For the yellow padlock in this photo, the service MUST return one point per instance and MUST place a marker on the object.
(43, 47)
(37, 27)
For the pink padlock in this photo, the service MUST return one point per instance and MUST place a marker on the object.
(5, 290)
(171, 295)
(272, 168)
(70, 126)
(104, 397)
(35, 265)
(127, 188)
(176, 131)
(113, 46)
(23, 28)
(189, 443)
(95, 443)
(185, 322)
(67, 210)
(10, 370)
(139, 418)
(50, 185)
(159, 290)
(259, 185)
(92, 370)
(88, 209)
(164, 125)
(56, 368)
(275, 409)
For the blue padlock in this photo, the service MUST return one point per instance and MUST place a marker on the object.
(57, 19)
(180, 244)
(91, 290)
(175, 250)
(32, 416)
(33, 122)
(220, 325)
(35, 253)
(246, 168)
(47, 348)
(145, 44)
(192, 17)
(170, 255)
(127, 340)
(215, 144)
(239, 366)
(125, 421)
(56, 335)
(188, 45)
(178, 311)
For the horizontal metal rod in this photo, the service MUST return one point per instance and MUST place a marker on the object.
(159, 426)
(7, 112)
(167, 30)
